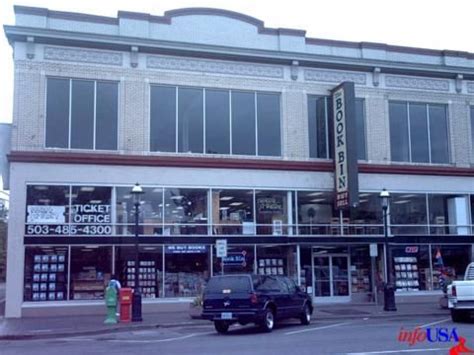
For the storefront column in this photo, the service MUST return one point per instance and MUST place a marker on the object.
(68, 284)
(298, 265)
(289, 208)
(15, 248)
(431, 267)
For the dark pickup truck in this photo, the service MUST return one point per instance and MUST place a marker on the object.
(255, 299)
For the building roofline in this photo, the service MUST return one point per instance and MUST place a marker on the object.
(169, 15)
(208, 51)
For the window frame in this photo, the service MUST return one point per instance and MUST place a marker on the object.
(427, 106)
(70, 80)
(230, 92)
(327, 122)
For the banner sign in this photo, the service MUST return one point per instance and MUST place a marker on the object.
(345, 146)
(46, 214)
(186, 249)
(270, 205)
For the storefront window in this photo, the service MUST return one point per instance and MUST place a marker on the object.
(185, 211)
(91, 211)
(150, 272)
(438, 207)
(272, 212)
(367, 217)
(277, 260)
(47, 210)
(411, 268)
(449, 263)
(91, 268)
(239, 260)
(150, 211)
(408, 214)
(187, 269)
(316, 213)
(233, 212)
(46, 273)
(306, 272)
(361, 275)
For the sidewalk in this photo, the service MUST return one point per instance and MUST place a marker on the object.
(53, 327)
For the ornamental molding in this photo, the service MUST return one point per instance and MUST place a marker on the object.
(416, 83)
(83, 56)
(470, 87)
(334, 76)
(212, 66)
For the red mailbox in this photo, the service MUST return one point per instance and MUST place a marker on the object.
(125, 299)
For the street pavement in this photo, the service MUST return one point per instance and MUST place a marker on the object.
(363, 335)
(176, 315)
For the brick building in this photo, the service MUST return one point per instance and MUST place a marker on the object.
(227, 126)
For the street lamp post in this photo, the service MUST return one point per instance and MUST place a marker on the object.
(137, 191)
(388, 290)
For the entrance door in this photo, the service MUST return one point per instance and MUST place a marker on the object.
(331, 277)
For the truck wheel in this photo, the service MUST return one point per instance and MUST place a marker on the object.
(268, 321)
(221, 326)
(305, 317)
(458, 315)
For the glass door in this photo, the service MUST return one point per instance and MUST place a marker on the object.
(322, 276)
(331, 277)
(340, 275)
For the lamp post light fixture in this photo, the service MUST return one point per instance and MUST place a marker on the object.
(136, 192)
(388, 290)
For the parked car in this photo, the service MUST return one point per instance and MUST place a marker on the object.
(255, 299)
(461, 296)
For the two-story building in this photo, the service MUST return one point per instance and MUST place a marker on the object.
(227, 126)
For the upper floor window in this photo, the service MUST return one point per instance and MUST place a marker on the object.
(418, 132)
(319, 108)
(213, 121)
(81, 114)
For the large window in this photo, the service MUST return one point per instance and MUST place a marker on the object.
(232, 212)
(81, 114)
(319, 121)
(195, 120)
(418, 132)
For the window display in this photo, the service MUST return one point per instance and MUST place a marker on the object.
(406, 274)
(46, 274)
(150, 272)
(233, 212)
(186, 269)
(360, 270)
(147, 277)
(91, 268)
(272, 212)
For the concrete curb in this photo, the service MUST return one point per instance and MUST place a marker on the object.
(196, 322)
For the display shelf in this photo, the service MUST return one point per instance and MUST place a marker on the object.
(47, 281)
(271, 266)
(406, 273)
(147, 277)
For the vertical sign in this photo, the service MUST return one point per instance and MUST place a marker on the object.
(345, 146)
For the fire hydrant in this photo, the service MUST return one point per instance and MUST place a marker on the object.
(111, 304)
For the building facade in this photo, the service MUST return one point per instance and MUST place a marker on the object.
(227, 126)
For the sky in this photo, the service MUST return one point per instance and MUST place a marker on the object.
(436, 24)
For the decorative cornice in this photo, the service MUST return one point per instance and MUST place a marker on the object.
(334, 76)
(470, 87)
(214, 66)
(226, 163)
(169, 15)
(404, 82)
(83, 56)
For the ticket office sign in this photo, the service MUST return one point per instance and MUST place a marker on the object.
(86, 219)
